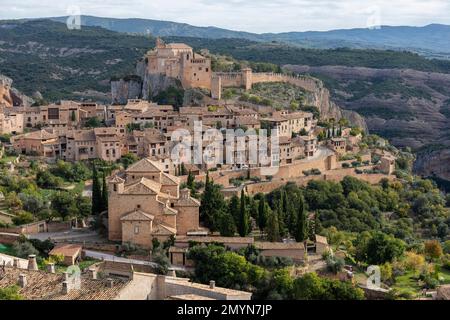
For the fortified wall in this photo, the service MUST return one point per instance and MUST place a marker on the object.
(246, 79)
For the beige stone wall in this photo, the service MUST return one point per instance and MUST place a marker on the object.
(187, 219)
(296, 255)
(137, 232)
(140, 288)
(119, 205)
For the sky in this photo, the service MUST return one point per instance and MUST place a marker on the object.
(258, 16)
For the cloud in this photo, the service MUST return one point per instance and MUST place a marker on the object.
(250, 15)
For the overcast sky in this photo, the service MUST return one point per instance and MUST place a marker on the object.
(248, 15)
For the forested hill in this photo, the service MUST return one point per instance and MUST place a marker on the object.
(44, 56)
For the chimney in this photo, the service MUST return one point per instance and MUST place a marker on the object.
(16, 263)
(51, 268)
(93, 274)
(32, 264)
(22, 280)
(65, 287)
(110, 282)
(212, 284)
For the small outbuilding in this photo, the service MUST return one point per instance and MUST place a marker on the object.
(70, 252)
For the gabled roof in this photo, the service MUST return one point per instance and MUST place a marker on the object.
(145, 165)
(116, 179)
(137, 215)
(143, 186)
(68, 250)
(161, 229)
(169, 180)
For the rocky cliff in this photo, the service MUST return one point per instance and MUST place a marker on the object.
(9, 96)
(142, 85)
(320, 98)
(433, 163)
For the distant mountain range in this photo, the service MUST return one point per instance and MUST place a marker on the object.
(432, 40)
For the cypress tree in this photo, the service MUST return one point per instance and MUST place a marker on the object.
(262, 214)
(317, 224)
(96, 193)
(273, 231)
(191, 181)
(212, 205)
(301, 233)
(104, 206)
(183, 170)
(281, 213)
(234, 207)
(243, 227)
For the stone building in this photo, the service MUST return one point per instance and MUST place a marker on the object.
(11, 122)
(338, 145)
(42, 143)
(179, 61)
(107, 281)
(146, 203)
(288, 124)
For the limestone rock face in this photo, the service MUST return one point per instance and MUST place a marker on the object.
(124, 89)
(320, 98)
(433, 163)
(10, 96)
(156, 83)
(140, 86)
(5, 91)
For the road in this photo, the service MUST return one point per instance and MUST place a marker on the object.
(110, 257)
(76, 235)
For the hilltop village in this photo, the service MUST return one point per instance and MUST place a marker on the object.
(162, 215)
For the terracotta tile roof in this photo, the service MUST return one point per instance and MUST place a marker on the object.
(225, 240)
(47, 286)
(279, 246)
(194, 297)
(82, 135)
(244, 120)
(40, 135)
(444, 292)
(137, 215)
(143, 186)
(68, 250)
(187, 284)
(321, 239)
(145, 165)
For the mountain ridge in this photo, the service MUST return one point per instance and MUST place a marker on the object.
(429, 40)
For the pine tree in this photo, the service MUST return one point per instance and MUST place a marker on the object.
(273, 231)
(262, 214)
(243, 224)
(96, 193)
(301, 233)
(104, 206)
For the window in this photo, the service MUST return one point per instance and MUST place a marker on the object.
(138, 206)
(136, 229)
(115, 188)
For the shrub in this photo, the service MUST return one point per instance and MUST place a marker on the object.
(23, 249)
